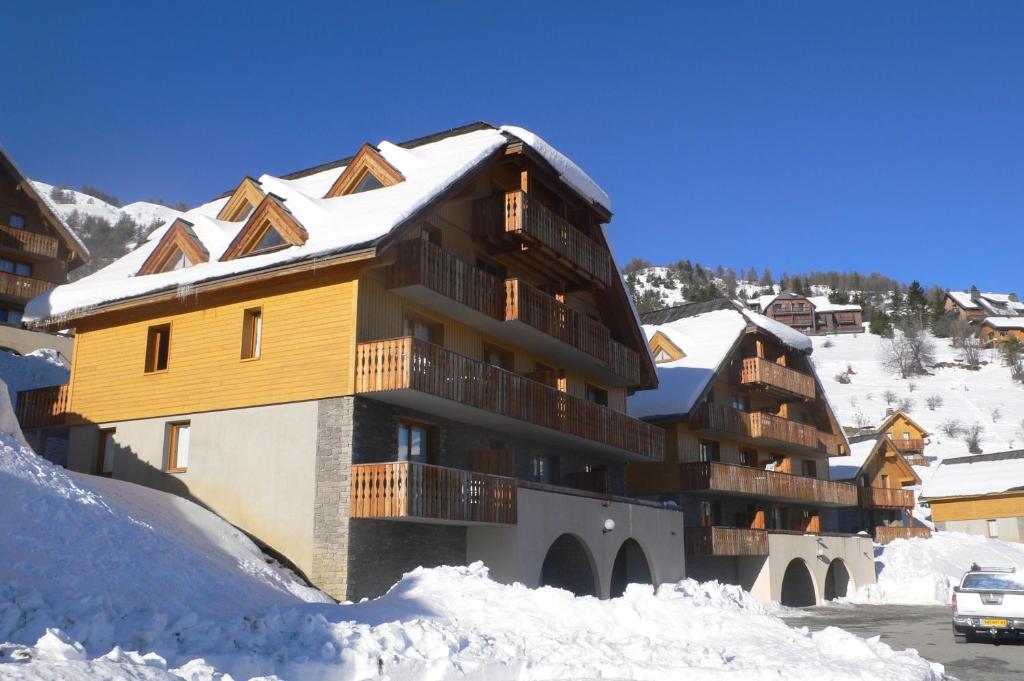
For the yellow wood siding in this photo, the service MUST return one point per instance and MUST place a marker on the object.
(308, 351)
(978, 508)
(900, 426)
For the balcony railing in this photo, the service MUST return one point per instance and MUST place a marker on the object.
(760, 425)
(624, 362)
(422, 263)
(516, 213)
(413, 364)
(29, 242)
(886, 497)
(43, 407)
(918, 460)
(884, 535)
(725, 541)
(759, 371)
(416, 490)
(532, 306)
(904, 446)
(749, 481)
(23, 287)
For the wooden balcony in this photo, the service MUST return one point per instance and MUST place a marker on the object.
(403, 490)
(725, 541)
(885, 497)
(918, 460)
(884, 535)
(772, 377)
(760, 426)
(532, 224)
(905, 446)
(27, 242)
(43, 407)
(424, 376)
(747, 481)
(511, 309)
(17, 286)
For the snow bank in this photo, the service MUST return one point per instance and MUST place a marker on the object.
(37, 369)
(924, 571)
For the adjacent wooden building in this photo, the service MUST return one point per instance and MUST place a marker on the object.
(810, 315)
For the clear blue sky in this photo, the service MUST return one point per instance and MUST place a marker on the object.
(877, 136)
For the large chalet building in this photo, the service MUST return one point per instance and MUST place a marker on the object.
(418, 355)
(37, 250)
(810, 315)
(974, 306)
(749, 438)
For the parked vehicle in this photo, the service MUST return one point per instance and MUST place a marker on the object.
(989, 602)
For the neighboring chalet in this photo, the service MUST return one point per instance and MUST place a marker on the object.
(418, 355)
(974, 306)
(749, 437)
(980, 494)
(908, 436)
(37, 250)
(882, 475)
(996, 330)
(810, 315)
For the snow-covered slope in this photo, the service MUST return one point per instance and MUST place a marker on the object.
(988, 396)
(142, 212)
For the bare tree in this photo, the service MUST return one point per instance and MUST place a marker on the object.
(905, 404)
(897, 355)
(972, 437)
(951, 427)
(959, 329)
(933, 402)
(970, 352)
(889, 396)
(919, 344)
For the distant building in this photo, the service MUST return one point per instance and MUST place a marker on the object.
(981, 494)
(996, 330)
(908, 436)
(974, 306)
(810, 315)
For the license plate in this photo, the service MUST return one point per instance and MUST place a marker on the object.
(990, 622)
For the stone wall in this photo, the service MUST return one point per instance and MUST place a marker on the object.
(381, 551)
(332, 495)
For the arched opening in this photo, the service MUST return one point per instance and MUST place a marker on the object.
(567, 565)
(837, 580)
(630, 567)
(797, 585)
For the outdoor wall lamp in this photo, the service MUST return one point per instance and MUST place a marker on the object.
(609, 526)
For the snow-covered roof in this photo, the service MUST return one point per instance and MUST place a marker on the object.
(762, 302)
(822, 304)
(963, 299)
(333, 225)
(975, 475)
(847, 467)
(993, 303)
(1005, 322)
(706, 333)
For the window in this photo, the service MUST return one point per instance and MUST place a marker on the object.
(748, 457)
(22, 269)
(906, 435)
(414, 442)
(597, 395)
(809, 468)
(369, 181)
(9, 316)
(17, 221)
(491, 268)
(158, 345)
(423, 329)
(105, 452)
(993, 528)
(178, 438)
(709, 451)
(252, 333)
(431, 234)
(662, 356)
(178, 261)
(544, 469)
(741, 403)
(710, 513)
(499, 357)
(270, 240)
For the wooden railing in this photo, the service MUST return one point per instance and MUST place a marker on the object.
(421, 262)
(624, 362)
(886, 497)
(23, 287)
(760, 425)
(908, 445)
(747, 480)
(918, 460)
(532, 306)
(415, 490)
(884, 535)
(517, 213)
(757, 370)
(43, 407)
(725, 541)
(23, 240)
(413, 364)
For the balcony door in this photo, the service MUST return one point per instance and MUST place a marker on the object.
(415, 442)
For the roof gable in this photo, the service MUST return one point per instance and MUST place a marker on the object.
(179, 238)
(243, 201)
(862, 455)
(896, 415)
(270, 214)
(663, 349)
(367, 163)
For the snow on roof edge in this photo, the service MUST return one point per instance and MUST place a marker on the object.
(568, 171)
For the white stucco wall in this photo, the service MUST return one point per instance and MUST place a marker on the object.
(255, 467)
(516, 553)
(24, 341)
(817, 552)
(1009, 529)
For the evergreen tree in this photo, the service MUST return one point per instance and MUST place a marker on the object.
(881, 324)
(916, 304)
(837, 297)
(896, 304)
(766, 277)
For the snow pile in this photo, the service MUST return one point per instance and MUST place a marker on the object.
(104, 579)
(924, 571)
(37, 369)
(975, 475)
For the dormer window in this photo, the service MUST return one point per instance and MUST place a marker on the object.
(368, 182)
(271, 227)
(367, 171)
(270, 240)
(178, 249)
(242, 202)
(179, 262)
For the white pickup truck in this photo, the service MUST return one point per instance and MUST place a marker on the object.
(989, 602)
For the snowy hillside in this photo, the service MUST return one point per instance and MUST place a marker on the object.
(143, 213)
(987, 396)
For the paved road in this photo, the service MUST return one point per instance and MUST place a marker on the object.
(925, 628)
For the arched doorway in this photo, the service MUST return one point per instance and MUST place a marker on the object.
(797, 585)
(568, 566)
(630, 567)
(837, 580)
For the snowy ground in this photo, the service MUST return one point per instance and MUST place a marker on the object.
(104, 579)
(968, 396)
(37, 369)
